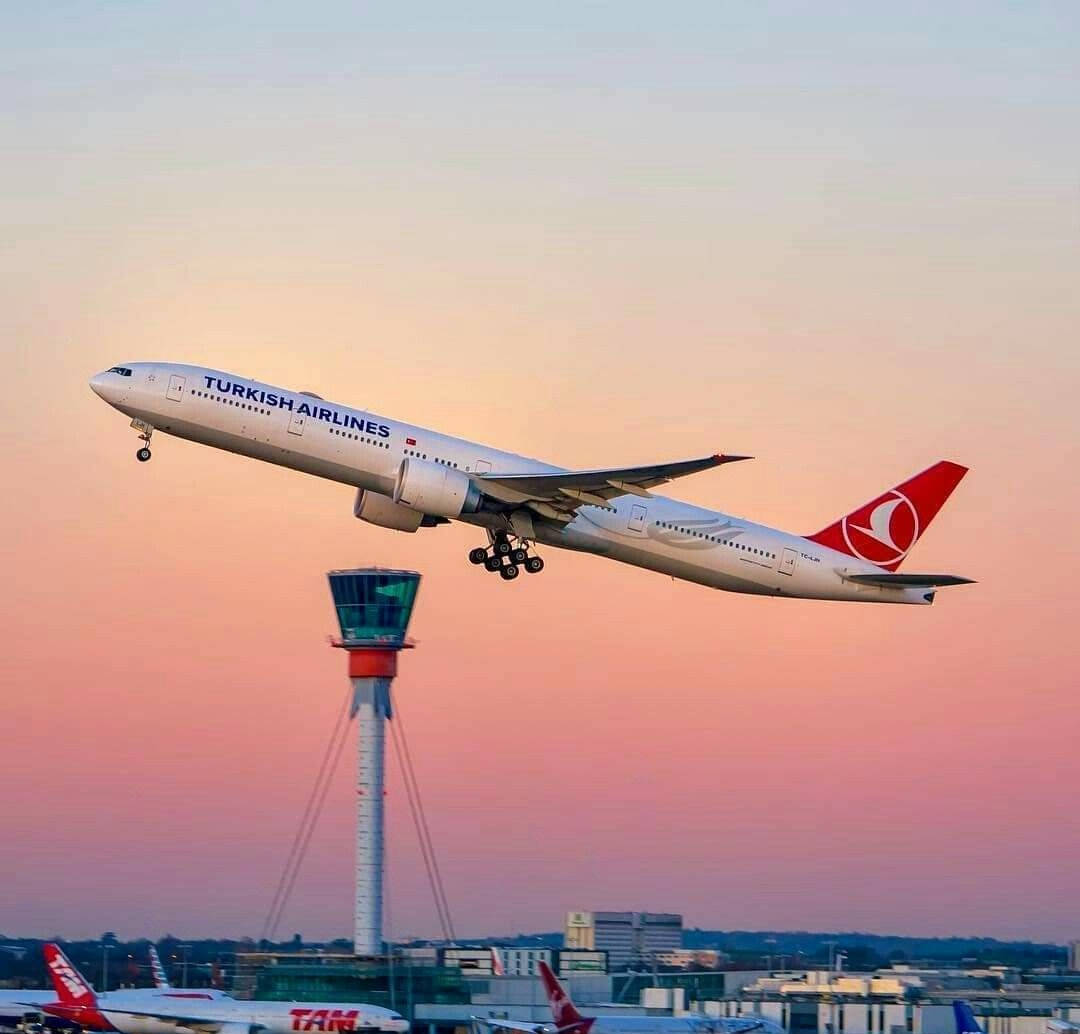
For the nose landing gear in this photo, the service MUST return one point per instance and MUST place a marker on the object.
(146, 433)
(505, 558)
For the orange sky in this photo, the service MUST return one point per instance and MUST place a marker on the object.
(597, 245)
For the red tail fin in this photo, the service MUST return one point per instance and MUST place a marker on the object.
(884, 530)
(71, 988)
(563, 1011)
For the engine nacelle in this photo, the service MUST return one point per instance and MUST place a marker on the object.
(434, 489)
(379, 509)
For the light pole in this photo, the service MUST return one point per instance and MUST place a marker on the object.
(185, 948)
(106, 947)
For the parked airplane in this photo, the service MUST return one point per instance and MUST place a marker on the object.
(409, 477)
(153, 1011)
(567, 1020)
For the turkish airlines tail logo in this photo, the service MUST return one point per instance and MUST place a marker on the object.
(883, 531)
(563, 1011)
(68, 982)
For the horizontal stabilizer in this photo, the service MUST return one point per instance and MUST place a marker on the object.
(909, 581)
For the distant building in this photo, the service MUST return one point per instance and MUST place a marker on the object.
(521, 962)
(685, 958)
(628, 938)
(1074, 955)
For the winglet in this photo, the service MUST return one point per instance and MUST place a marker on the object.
(722, 458)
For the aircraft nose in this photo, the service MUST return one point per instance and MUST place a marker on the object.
(97, 384)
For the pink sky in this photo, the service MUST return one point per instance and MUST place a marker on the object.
(847, 286)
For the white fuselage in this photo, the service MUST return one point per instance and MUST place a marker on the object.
(365, 450)
(122, 1012)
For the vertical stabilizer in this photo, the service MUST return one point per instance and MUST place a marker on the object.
(563, 1011)
(161, 981)
(70, 986)
(965, 1019)
(883, 530)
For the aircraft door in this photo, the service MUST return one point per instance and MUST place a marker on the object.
(483, 466)
(296, 423)
(175, 391)
(787, 561)
(637, 518)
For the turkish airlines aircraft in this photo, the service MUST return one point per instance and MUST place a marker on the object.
(567, 1019)
(410, 478)
(166, 1011)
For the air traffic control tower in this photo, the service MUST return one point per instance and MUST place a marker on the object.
(373, 610)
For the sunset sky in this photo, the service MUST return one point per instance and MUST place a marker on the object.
(842, 238)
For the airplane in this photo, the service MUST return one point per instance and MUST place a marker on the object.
(154, 1011)
(408, 477)
(567, 1019)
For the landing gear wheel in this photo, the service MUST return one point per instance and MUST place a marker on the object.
(493, 563)
(143, 454)
(478, 555)
(518, 556)
(509, 572)
(534, 565)
(501, 546)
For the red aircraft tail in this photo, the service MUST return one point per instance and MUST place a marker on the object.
(68, 982)
(563, 1011)
(883, 530)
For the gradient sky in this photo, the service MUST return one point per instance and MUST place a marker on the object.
(840, 237)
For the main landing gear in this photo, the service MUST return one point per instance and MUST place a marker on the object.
(506, 558)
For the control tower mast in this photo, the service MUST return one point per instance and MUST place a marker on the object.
(373, 610)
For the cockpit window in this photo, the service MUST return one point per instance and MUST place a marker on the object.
(124, 371)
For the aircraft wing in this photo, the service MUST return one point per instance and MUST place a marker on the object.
(559, 494)
(491, 1023)
(190, 1021)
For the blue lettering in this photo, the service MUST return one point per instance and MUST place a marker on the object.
(252, 394)
(336, 419)
(323, 414)
(285, 403)
(209, 381)
(384, 431)
(238, 390)
(303, 409)
(356, 425)
(271, 400)
(223, 386)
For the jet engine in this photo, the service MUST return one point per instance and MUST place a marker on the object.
(434, 489)
(379, 509)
